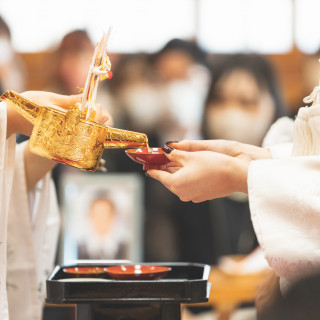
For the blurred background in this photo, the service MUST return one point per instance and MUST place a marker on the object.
(287, 31)
(181, 69)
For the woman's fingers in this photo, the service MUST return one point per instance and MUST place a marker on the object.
(50, 98)
(189, 145)
(172, 181)
(163, 176)
(103, 116)
(173, 169)
(175, 156)
(66, 101)
(221, 146)
(173, 166)
(62, 102)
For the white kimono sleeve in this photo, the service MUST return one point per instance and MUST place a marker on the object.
(284, 196)
(31, 242)
(7, 156)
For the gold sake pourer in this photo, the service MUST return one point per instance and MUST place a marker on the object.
(65, 137)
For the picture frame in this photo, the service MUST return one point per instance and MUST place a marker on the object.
(102, 216)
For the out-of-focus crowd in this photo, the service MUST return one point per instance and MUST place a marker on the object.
(179, 92)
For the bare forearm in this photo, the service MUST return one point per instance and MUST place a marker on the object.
(17, 124)
(35, 167)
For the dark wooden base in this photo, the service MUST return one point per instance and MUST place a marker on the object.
(148, 311)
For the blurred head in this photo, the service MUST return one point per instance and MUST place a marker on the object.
(4, 30)
(243, 100)
(74, 57)
(5, 43)
(11, 66)
(102, 213)
(175, 59)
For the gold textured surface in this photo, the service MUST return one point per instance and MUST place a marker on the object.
(24, 106)
(67, 137)
(117, 138)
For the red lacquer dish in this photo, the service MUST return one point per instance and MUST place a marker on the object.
(137, 272)
(87, 272)
(151, 158)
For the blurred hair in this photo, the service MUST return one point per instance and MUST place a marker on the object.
(187, 47)
(4, 29)
(258, 67)
(140, 65)
(129, 68)
(75, 41)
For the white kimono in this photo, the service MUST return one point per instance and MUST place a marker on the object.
(284, 197)
(28, 233)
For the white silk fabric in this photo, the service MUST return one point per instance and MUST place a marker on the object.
(7, 150)
(284, 197)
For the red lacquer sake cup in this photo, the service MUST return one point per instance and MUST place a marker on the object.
(137, 272)
(150, 158)
(85, 272)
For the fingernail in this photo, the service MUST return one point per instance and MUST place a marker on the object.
(147, 174)
(167, 149)
(169, 142)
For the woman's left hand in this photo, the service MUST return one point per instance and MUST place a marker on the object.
(227, 147)
(203, 175)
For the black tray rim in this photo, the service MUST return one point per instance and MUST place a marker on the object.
(57, 290)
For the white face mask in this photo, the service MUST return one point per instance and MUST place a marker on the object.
(143, 102)
(238, 125)
(6, 53)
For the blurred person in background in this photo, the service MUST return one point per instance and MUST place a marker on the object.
(73, 57)
(12, 71)
(133, 88)
(29, 214)
(72, 60)
(281, 180)
(29, 217)
(161, 95)
(183, 67)
(244, 100)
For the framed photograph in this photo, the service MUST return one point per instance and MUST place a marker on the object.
(102, 216)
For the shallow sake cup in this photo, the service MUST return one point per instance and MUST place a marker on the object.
(137, 272)
(150, 158)
(85, 272)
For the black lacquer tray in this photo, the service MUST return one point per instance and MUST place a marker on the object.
(185, 283)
